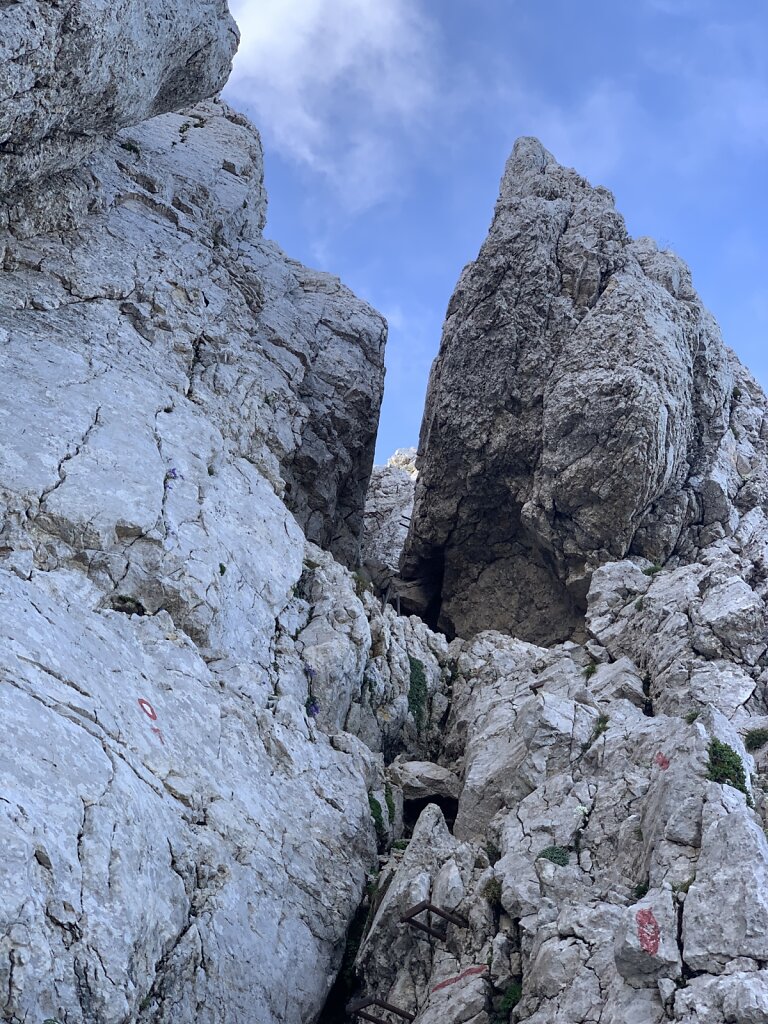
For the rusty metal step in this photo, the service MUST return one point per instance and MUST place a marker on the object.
(358, 1009)
(409, 918)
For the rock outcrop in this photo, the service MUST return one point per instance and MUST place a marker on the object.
(186, 826)
(222, 748)
(577, 413)
(608, 857)
(72, 73)
(388, 509)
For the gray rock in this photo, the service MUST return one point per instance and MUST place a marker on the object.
(388, 507)
(73, 73)
(574, 413)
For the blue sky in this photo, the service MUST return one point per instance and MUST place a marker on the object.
(386, 124)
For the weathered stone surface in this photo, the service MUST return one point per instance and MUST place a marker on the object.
(576, 412)
(73, 72)
(388, 508)
(164, 308)
(178, 659)
(422, 779)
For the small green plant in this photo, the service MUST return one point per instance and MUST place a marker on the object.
(638, 834)
(639, 603)
(400, 844)
(557, 854)
(736, 393)
(362, 585)
(652, 569)
(492, 892)
(590, 670)
(640, 890)
(390, 801)
(648, 702)
(184, 129)
(727, 768)
(417, 692)
(494, 853)
(129, 147)
(222, 568)
(692, 715)
(600, 726)
(378, 819)
(755, 739)
(512, 995)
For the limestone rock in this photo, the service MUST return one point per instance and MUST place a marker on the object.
(420, 780)
(72, 73)
(190, 325)
(577, 411)
(187, 829)
(388, 507)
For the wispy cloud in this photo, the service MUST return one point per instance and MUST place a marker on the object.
(336, 85)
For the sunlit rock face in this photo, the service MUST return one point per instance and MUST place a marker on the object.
(73, 72)
(574, 413)
(183, 410)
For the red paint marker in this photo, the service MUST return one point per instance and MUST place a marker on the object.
(662, 761)
(147, 708)
(648, 931)
(460, 977)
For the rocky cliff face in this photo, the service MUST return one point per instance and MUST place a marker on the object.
(229, 770)
(72, 72)
(577, 412)
(184, 410)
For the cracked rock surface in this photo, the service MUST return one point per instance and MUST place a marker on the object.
(604, 865)
(73, 72)
(578, 412)
(184, 410)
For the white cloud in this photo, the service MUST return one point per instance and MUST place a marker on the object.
(336, 84)
(593, 134)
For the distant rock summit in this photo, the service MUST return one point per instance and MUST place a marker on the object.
(577, 412)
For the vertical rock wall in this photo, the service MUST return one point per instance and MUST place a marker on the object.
(573, 413)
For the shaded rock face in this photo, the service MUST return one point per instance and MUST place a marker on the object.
(71, 72)
(573, 415)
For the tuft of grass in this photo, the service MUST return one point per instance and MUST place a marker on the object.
(129, 147)
(557, 854)
(590, 670)
(640, 890)
(222, 568)
(639, 604)
(652, 569)
(400, 844)
(492, 892)
(727, 768)
(378, 819)
(417, 692)
(755, 739)
(494, 853)
(693, 714)
(390, 802)
(513, 993)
